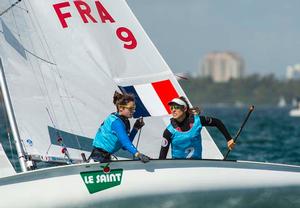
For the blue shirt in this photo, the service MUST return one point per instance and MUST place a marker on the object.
(113, 135)
(119, 128)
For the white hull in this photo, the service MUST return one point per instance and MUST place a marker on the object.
(158, 180)
(295, 112)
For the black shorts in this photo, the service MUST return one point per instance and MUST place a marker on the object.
(100, 155)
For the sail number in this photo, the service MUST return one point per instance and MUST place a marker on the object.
(126, 36)
(85, 12)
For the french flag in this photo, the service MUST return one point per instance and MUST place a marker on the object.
(152, 99)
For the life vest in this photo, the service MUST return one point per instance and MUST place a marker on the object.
(187, 144)
(106, 138)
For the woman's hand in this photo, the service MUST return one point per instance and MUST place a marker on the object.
(142, 157)
(230, 144)
(139, 123)
(195, 110)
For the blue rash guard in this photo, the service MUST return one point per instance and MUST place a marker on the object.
(113, 135)
(185, 127)
(187, 144)
(119, 128)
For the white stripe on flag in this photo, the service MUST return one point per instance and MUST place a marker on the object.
(150, 99)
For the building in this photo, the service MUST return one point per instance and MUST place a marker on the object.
(293, 72)
(222, 66)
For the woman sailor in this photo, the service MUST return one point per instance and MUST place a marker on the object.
(184, 131)
(114, 133)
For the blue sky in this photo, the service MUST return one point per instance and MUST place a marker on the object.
(266, 33)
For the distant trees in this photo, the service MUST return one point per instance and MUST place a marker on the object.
(253, 89)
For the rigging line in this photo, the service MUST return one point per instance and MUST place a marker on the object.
(32, 53)
(66, 153)
(46, 92)
(50, 117)
(15, 21)
(64, 86)
(10, 7)
(18, 31)
(44, 83)
(39, 67)
(49, 62)
(39, 57)
(22, 8)
(65, 89)
(53, 126)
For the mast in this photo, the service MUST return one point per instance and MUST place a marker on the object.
(12, 120)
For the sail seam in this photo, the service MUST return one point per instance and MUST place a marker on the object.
(10, 7)
(63, 84)
(52, 118)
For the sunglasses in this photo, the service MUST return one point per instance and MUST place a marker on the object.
(175, 107)
(130, 108)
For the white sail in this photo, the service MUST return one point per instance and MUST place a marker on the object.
(295, 112)
(61, 74)
(62, 63)
(6, 168)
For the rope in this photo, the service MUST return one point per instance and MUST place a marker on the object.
(9, 8)
(48, 53)
(36, 56)
(63, 85)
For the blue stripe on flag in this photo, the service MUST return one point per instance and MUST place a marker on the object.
(141, 110)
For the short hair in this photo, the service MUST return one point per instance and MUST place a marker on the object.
(122, 99)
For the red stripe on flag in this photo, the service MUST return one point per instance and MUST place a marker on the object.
(166, 92)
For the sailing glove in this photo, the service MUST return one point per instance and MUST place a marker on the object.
(143, 158)
(139, 123)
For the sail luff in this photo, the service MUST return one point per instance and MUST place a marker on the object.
(12, 120)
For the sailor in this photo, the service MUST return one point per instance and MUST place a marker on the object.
(184, 131)
(114, 133)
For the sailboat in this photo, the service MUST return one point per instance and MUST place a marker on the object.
(281, 102)
(60, 62)
(296, 111)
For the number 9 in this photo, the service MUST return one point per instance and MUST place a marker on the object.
(126, 36)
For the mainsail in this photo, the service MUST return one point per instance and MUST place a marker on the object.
(62, 62)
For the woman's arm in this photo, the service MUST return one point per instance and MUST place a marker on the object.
(119, 128)
(210, 121)
(165, 144)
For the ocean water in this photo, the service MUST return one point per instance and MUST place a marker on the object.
(256, 198)
(270, 135)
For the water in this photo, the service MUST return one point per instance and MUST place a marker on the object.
(270, 135)
(255, 198)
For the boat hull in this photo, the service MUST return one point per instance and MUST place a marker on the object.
(162, 181)
(295, 113)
